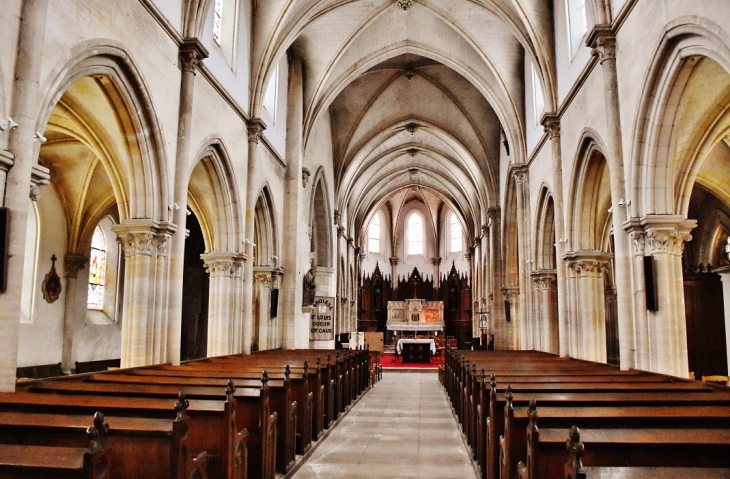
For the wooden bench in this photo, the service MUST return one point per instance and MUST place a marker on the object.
(83, 367)
(42, 461)
(40, 371)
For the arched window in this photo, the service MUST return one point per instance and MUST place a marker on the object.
(30, 263)
(577, 17)
(97, 270)
(225, 22)
(457, 234)
(271, 98)
(538, 101)
(415, 234)
(727, 248)
(374, 234)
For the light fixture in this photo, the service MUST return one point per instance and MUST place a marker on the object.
(40, 137)
(623, 202)
(9, 123)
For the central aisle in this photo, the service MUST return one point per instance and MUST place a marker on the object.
(402, 428)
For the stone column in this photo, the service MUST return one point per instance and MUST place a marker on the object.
(192, 52)
(23, 146)
(486, 280)
(342, 281)
(436, 271)
(523, 339)
(72, 264)
(350, 288)
(220, 267)
(295, 327)
(641, 322)
(551, 122)
(139, 238)
(546, 298)
(162, 342)
(256, 128)
(724, 273)
(603, 43)
(588, 314)
(262, 280)
(499, 326)
(665, 238)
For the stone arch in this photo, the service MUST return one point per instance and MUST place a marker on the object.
(588, 220)
(145, 188)
(661, 181)
(213, 195)
(266, 249)
(320, 220)
(545, 232)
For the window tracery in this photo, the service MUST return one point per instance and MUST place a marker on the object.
(97, 270)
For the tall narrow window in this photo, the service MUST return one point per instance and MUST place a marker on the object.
(538, 101)
(271, 97)
(415, 234)
(97, 270)
(374, 234)
(456, 234)
(577, 18)
(727, 249)
(217, 21)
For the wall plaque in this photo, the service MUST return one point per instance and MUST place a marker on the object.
(322, 323)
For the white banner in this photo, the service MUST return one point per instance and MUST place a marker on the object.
(323, 319)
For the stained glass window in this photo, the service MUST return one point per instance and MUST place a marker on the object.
(217, 21)
(97, 270)
(415, 234)
(374, 234)
(456, 234)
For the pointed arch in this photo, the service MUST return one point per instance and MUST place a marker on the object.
(266, 250)
(320, 220)
(142, 176)
(545, 231)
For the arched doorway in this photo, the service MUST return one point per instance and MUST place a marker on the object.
(196, 283)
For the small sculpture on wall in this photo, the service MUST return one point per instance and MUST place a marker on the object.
(51, 286)
(310, 286)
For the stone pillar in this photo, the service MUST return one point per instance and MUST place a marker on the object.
(551, 122)
(294, 325)
(641, 322)
(256, 128)
(603, 43)
(342, 278)
(220, 265)
(588, 311)
(665, 238)
(275, 340)
(350, 263)
(140, 239)
(523, 339)
(262, 281)
(724, 273)
(486, 280)
(499, 326)
(546, 298)
(192, 52)
(511, 295)
(436, 271)
(161, 313)
(22, 145)
(72, 264)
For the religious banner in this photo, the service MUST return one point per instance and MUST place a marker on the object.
(323, 319)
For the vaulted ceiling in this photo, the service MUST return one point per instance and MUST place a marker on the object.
(418, 93)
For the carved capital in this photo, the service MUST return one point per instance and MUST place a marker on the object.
(219, 263)
(587, 262)
(255, 129)
(350, 241)
(551, 124)
(636, 234)
(436, 260)
(137, 237)
(263, 275)
(72, 264)
(520, 173)
(485, 230)
(341, 232)
(544, 278)
(192, 53)
(40, 175)
(404, 4)
(511, 293)
(666, 234)
(164, 233)
(602, 42)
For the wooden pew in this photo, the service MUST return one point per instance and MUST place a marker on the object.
(671, 458)
(83, 367)
(38, 461)
(211, 423)
(40, 371)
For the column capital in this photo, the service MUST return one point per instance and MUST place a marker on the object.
(436, 260)
(350, 241)
(667, 233)
(551, 123)
(263, 275)
(520, 172)
(305, 176)
(485, 230)
(637, 235)
(393, 260)
(137, 236)
(587, 262)
(511, 293)
(72, 264)
(192, 53)
(219, 263)
(602, 42)
(255, 128)
(493, 214)
(544, 278)
(341, 232)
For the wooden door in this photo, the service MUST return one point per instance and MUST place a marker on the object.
(703, 306)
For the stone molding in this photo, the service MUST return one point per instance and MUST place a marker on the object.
(544, 278)
(72, 264)
(511, 293)
(393, 260)
(602, 42)
(263, 275)
(138, 236)
(435, 260)
(520, 173)
(192, 53)
(255, 129)
(587, 262)
(337, 218)
(551, 124)
(219, 263)
(666, 234)
(341, 232)
(636, 234)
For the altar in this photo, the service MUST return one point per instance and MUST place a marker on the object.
(415, 315)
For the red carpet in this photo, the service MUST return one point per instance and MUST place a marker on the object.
(388, 361)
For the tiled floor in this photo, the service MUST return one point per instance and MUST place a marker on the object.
(402, 428)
